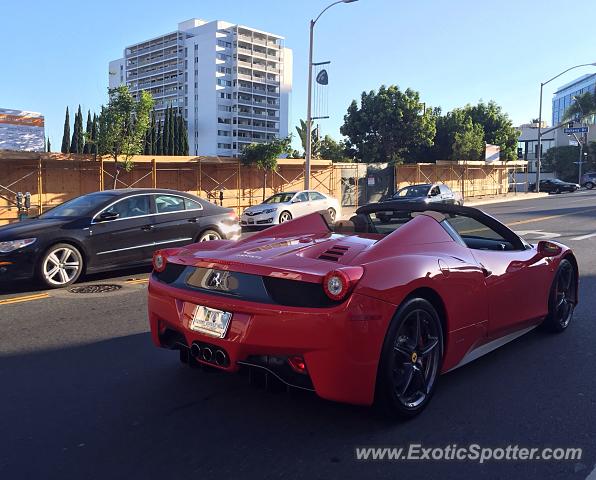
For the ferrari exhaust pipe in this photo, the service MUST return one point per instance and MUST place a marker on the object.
(195, 350)
(221, 358)
(207, 354)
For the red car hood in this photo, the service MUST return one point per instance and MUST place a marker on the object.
(278, 252)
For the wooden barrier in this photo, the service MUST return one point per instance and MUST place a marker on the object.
(53, 178)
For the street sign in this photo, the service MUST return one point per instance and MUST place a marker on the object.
(576, 130)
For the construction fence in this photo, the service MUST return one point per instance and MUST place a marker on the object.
(52, 178)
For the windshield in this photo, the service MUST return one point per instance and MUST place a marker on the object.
(280, 198)
(77, 207)
(413, 191)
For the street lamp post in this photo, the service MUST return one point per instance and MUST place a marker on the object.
(539, 154)
(308, 147)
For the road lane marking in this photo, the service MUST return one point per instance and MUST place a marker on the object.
(137, 281)
(25, 298)
(550, 217)
(537, 234)
(583, 237)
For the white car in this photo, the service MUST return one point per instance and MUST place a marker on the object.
(285, 206)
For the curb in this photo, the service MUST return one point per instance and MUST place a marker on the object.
(508, 198)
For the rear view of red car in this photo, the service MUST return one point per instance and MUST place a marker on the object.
(365, 311)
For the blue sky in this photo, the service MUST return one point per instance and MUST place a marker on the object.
(56, 53)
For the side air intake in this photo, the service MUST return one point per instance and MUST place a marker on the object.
(334, 253)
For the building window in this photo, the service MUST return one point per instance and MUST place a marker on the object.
(224, 145)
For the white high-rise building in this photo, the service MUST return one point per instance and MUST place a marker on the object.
(231, 82)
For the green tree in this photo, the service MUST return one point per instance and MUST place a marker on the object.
(468, 142)
(388, 126)
(264, 155)
(177, 146)
(66, 135)
(123, 123)
(561, 160)
(332, 150)
(48, 146)
(160, 132)
(460, 132)
(171, 137)
(314, 135)
(166, 131)
(582, 108)
(78, 136)
(88, 134)
(94, 133)
(497, 126)
(184, 137)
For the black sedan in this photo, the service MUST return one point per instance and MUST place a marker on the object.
(108, 230)
(554, 185)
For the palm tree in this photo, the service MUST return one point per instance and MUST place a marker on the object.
(315, 142)
(582, 108)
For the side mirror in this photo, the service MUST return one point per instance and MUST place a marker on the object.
(548, 249)
(107, 216)
(296, 200)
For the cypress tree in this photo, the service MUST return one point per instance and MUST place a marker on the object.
(152, 134)
(184, 137)
(176, 134)
(171, 134)
(166, 131)
(81, 133)
(66, 135)
(77, 142)
(94, 133)
(49, 146)
(88, 134)
(160, 131)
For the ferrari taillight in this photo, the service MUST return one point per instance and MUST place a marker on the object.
(336, 285)
(159, 261)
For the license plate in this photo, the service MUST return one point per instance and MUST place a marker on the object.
(251, 220)
(210, 321)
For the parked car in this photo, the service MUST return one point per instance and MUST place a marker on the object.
(554, 185)
(285, 206)
(429, 193)
(373, 312)
(108, 230)
(589, 180)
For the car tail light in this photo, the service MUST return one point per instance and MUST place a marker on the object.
(159, 261)
(338, 283)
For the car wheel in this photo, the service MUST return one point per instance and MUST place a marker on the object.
(60, 266)
(331, 212)
(285, 216)
(209, 235)
(589, 185)
(410, 360)
(561, 303)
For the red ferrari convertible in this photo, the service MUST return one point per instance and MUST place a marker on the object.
(364, 311)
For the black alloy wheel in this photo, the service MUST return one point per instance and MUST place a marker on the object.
(562, 298)
(411, 359)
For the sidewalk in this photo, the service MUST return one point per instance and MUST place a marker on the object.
(347, 212)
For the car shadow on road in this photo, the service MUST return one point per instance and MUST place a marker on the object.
(33, 286)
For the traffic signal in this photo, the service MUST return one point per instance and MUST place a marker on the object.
(570, 125)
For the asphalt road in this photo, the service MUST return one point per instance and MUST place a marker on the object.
(84, 394)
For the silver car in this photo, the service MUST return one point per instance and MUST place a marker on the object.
(285, 206)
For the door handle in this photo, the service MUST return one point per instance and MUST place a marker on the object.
(193, 220)
(148, 228)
